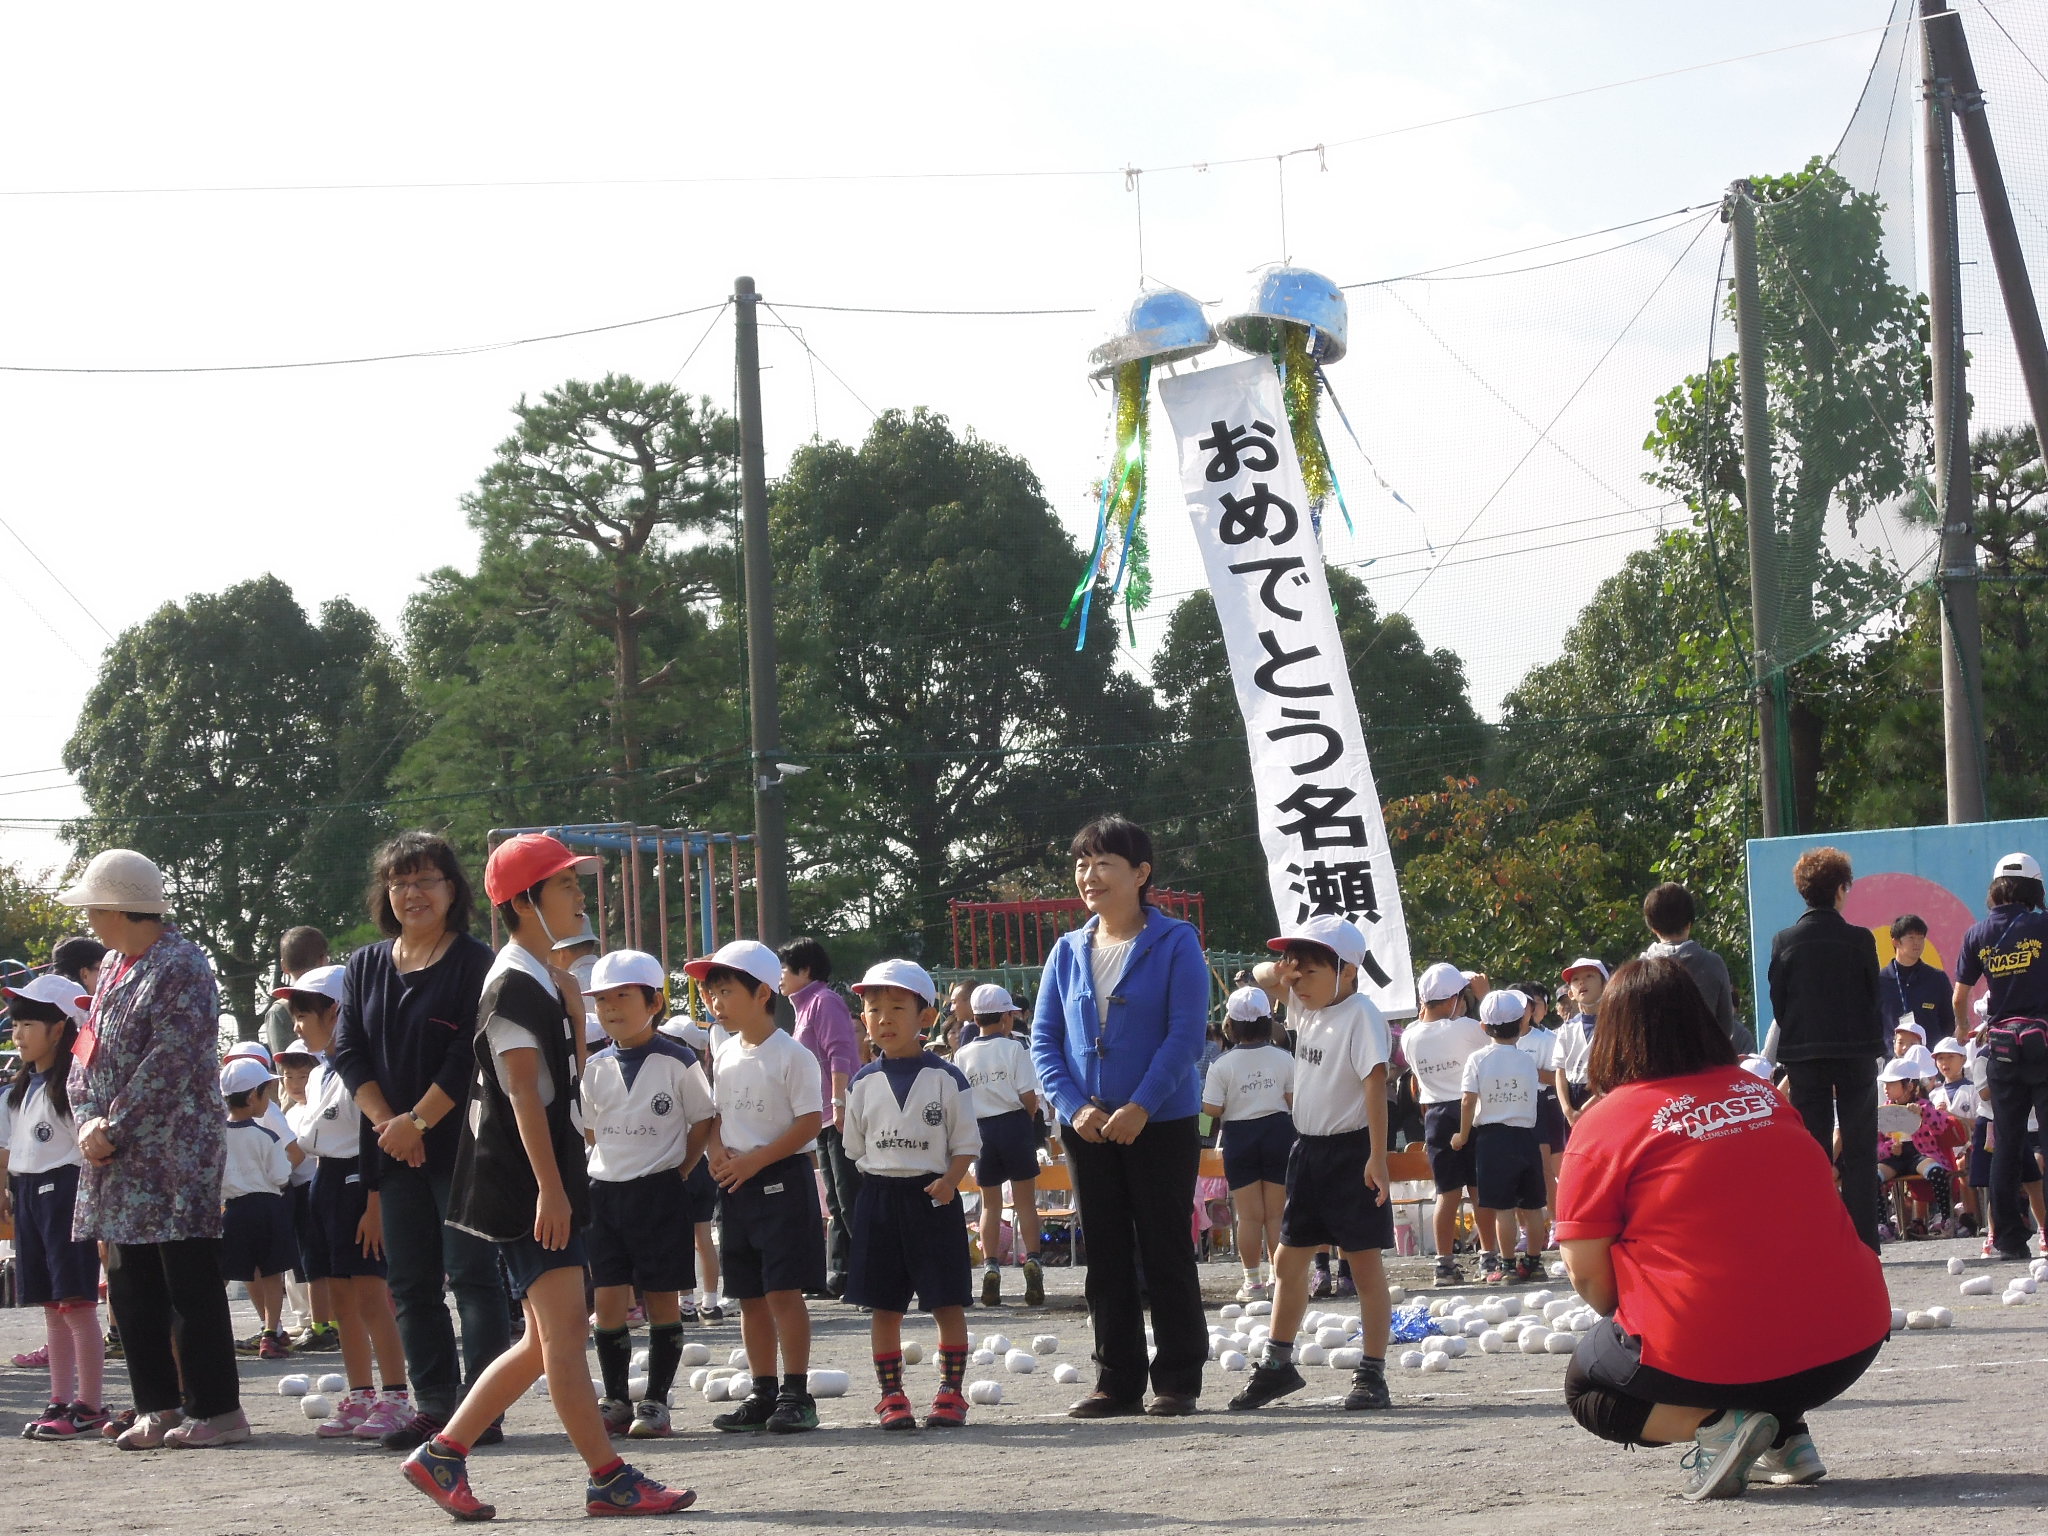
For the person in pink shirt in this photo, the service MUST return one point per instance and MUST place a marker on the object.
(824, 1027)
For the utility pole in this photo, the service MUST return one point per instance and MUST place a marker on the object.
(1962, 694)
(1759, 497)
(771, 828)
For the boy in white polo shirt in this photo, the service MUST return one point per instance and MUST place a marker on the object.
(1497, 1118)
(768, 1107)
(998, 1068)
(1437, 1045)
(1337, 1180)
(910, 1125)
(647, 1117)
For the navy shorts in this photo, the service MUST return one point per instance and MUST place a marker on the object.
(1508, 1168)
(526, 1261)
(772, 1233)
(1255, 1151)
(256, 1236)
(641, 1233)
(48, 1266)
(328, 1249)
(1327, 1201)
(703, 1192)
(1009, 1150)
(1449, 1166)
(1552, 1130)
(301, 1197)
(904, 1246)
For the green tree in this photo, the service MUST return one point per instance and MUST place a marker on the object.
(243, 747)
(958, 737)
(1419, 728)
(31, 922)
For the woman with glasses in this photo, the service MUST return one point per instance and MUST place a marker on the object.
(402, 1044)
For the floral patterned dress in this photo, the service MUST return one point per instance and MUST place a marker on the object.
(154, 1074)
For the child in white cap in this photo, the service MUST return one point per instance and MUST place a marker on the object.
(1954, 1092)
(1497, 1118)
(1250, 1093)
(1926, 1152)
(1437, 1046)
(257, 1244)
(1585, 982)
(39, 1156)
(1005, 1093)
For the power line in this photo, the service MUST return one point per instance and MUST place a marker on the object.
(59, 580)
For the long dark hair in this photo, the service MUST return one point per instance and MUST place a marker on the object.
(24, 1074)
(418, 851)
(1654, 1023)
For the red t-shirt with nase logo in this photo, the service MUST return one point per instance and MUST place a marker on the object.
(1733, 1256)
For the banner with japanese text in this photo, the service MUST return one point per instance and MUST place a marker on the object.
(1319, 813)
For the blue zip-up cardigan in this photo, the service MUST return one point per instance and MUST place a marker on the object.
(1158, 1016)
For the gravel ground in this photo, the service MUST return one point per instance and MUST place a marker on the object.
(1947, 1422)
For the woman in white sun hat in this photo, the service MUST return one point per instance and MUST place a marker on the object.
(145, 1097)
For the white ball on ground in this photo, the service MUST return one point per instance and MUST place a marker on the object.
(697, 1378)
(1537, 1299)
(636, 1388)
(1557, 1269)
(985, 1393)
(716, 1390)
(540, 1387)
(1561, 1343)
(1345, 1359)
(1512, 1305)
(1066, 1375)
(1493, 1311)
(1918, 1321)
(1492, 1342)
(316, 1405)
(1555, 1308)
(736, 1358)
(1259, 1309)
(332, 1382)
(1231, 1360)
(1976, 1285)
(1331, 1338)
(1533, 1340)
(1943, 1318)
(1045, 1344)
(998, 1343)
(1454, 1346)
(1217, 1346)
(1020, 1362)
(1230, 1309)
(1397, 1294)
(829, 1383)
(637, 1363)
(1956, 1266)
(1411, 1359)
(294, 1386)
(1475, 1326)
(1512, 1331)
(1313, 1354)
(2010, 1298)
(982, 1357)
(1436, 1362)
(696, 1354)
(2026, 1283)
(913, 1352)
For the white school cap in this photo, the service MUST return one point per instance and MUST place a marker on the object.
(59, 991)
(1441, 982)
(1586, 963)
(1908, 1027)
(2021, 864)
(908, 975)
(254, 1050)
(1949, 1046)
(1339, 936)
(1919, 1060)
(1503, 1007)
(241, 1073)
(1247, 1004)
(750, 957)
(584, 934)
(631, 968)
(324, 980)
(1904, 1069)
(990, 998)
(1759, 1066)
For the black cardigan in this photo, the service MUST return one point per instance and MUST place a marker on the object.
(1823, 981)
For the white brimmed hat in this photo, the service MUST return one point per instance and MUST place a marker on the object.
(58, 991)
(1247, 1004)
(2020, 864)
(120, 879)
(628, 968)
(1759, 1066)
(1905, 1069)
(584, 934)
(1339, 936)
(1909, 1027)
(241, 1073)
(750, 957)
(325, 980)
(252, 1050)
(990, 998)
(1441, 982)
(907, 974)
(1949, 1045)
(1498, 1009)
(1586, 963)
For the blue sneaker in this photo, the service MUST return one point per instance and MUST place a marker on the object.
(444, 1477)
(629, 1492)
(1723, 1452)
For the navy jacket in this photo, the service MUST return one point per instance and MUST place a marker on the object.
(1824, 991)
(1158, 1017)
(1925, 992)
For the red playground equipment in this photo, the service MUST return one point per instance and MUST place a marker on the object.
(1001, 933)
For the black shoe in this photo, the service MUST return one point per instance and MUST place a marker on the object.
(1269, 1384)
(1100, 1405)
(412, 1434)
(793, 1415)
(492, 1433)
(2012, 1255)
(1170, 1405)
(1368, 1389)
(753, 1413)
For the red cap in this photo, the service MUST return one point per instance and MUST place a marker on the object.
(520, 863)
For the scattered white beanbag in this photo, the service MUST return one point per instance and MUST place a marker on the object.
(1436, 1362)
(696, 1354)
(1534, 1340)
(1020, 1362)
(986, 1393)
(913, 1352)
(1411, 1359)
(1312, 1354)
(1045, 1344)
(1231, 1360)
(316, 1405)
(1345, 1359)
(294, 1386)
(1491, 1342)
(829, 1383)
(717, 1388)
(1561, 1343)
(1066, 1375)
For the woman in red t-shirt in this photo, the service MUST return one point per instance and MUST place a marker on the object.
(1729, 1316)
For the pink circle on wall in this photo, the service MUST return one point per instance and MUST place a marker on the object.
(1874, 900)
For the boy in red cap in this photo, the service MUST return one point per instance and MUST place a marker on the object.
(520, 1182)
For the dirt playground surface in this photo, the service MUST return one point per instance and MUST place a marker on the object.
(1948, 1426)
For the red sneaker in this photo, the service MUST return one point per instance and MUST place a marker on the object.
(629, 1492)
(445, 1479)
(949, 1411)
(894, 1412)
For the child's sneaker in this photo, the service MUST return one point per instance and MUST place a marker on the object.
(1528, 1266)
(711, 1312)
(1722, 1453)
(1796, 1461)
(1034, 1284)
(348, 1416)
(949, 1411)
(1250, 1289)
(1448, 1270)
(36, 1359)
(753, 1413)
(444, 1477)
(274, 1346)
(991, 1287)
(793, 1415)
(630, 1492)
(894, 1412)
(320, 1339)
(1491, 1270)
(618, 1415)
(650, 1420)
(51, 1411)
(686, 1311)
(118, 1423)
(390, 1412)
(1346, 1286)
(1320, 1286)
(1269, 1384)
(252, 1344)
(1368, 1388)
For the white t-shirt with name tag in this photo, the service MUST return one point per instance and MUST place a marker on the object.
(1505, 1079)
(327, 1124)
(37, 1138)
(257, 1163)
(1335, 1050)
(998, 1068)
(1437, 1050)
(758, 1091)
(909, 1116)
(641, 1118)
(1250, 1082)
(1540, 1046)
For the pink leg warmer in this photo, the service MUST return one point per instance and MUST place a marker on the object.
(91, 1352)
(63, 1355)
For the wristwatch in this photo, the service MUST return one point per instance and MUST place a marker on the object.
(419, 1122)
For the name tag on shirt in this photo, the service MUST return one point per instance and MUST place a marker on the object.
(772, 1189)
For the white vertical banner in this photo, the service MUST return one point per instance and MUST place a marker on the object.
(1319, 812)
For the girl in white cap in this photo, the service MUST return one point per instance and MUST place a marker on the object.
(1250, 1092)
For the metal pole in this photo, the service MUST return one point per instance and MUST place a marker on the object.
(1962, 698)
(771, 892)
(1759, 495)
(1951, 46)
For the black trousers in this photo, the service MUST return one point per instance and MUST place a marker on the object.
(1611, 1392)
(1844, 1089)
(1136, 1205)
(2011, 1146)
(166, 1295)
(842, 1188)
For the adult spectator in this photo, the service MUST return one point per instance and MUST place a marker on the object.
(2005, 951)
(1669, 915)
(78, 959)
(824, 1027)
(145, 1097)
(1830, 1031)
(1911, 988)
(1695, 1213)
(959, 1025)
(301, 950)
(1119, 1025)
(403, 1044)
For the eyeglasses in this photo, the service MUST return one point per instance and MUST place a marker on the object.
(421, 884)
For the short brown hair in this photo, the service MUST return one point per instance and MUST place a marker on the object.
(1820, 873)
(1668, 909)
(301, 950)
(409, 853)
(1654, 1023)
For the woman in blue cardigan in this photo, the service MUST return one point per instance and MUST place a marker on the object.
(1115, 1038)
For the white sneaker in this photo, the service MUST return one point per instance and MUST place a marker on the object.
(1251, 1290)
(1722, 1453)
(1796, 1461)
(391, 1411)
(348, 1415)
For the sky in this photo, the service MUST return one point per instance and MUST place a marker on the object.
(488, 173)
